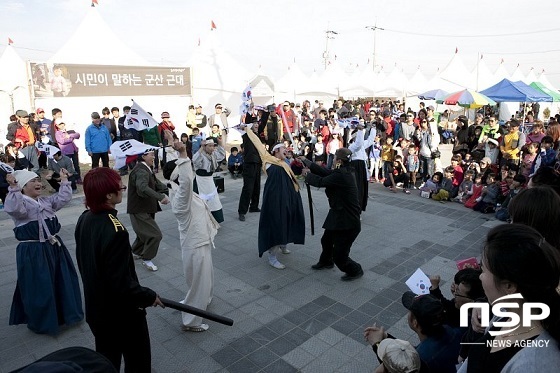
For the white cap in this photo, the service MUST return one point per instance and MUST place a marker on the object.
(398, 356)
(23, 177)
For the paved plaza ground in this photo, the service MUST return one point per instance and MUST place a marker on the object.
(292, 320)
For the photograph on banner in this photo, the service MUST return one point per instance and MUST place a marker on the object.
(70, 80)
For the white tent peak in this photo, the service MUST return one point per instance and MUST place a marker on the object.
(14, 70)
(92, 37)
(456, 72)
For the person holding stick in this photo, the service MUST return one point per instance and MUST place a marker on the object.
(115, 301)
(197, 229)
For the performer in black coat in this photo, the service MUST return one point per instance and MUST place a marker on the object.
(250, 194)
(115, 301)
(342, 224)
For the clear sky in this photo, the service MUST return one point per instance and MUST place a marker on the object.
(271, 34)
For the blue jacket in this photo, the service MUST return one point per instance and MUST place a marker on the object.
(232, 159)
(98, 139)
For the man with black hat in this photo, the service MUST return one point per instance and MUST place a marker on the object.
(23, 135)
(342, 224)
(98, 141)
(439, 344)
(145, 192)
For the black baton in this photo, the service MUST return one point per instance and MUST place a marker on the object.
(196, 311)
(310, 200)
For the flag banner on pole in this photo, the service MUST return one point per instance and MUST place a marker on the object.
(138, 119)
(121, 149)
(49, 150)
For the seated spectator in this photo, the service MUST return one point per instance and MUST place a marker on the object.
(486, 203)
(235, 162)
(457, 174)
(59, 162)
(465, 187)
(466, 287)
(545, 176)
(492, 151)
(397, 174)
(432, 186)
(396, 356)
(536, 134)
(516, 259)
(446, 186)
(474, 194)
(516, 186)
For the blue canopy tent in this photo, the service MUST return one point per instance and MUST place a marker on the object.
(508, 91)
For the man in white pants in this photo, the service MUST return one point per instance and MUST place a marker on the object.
(197, 229)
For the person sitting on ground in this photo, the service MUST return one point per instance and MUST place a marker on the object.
(517, 185)
(546, 156)
(465, 187)
(431, 186)
(529, 158)
(396, 356)
(492, 151)
(235, 162)
(58, 162)
(397, 174)
(466, 287)
(458, 175)
(486, 203)
(446, 186)
(475, 192)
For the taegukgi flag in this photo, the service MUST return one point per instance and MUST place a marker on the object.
(49, 150)
(138, 119)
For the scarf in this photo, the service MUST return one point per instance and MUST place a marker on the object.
(268, 158)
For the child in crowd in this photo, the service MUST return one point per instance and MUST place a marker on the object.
(486, 203)
(397, 174)
(431, 186)
(375, 160)
(196, 139)
(467, 161)
(547, 155)
(516, 186)
(446, 186)
(289, 157)
(492, 151)
(475, 192)
(529, 159)
(319, 154)
(387, 156)
(536, 134)
(235, 162)
(412, 164)
(457, 174)
(465, 187)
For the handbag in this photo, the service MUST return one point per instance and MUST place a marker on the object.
(435, 154)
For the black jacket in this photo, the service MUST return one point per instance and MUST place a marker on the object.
(104, 256)
(342, 193)
(250, 153)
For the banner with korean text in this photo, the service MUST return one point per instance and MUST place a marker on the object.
(68, 80)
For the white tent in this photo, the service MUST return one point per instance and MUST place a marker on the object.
(544, 80)
(517, 75)
(334, 76)
(455, 73)
(481, 76)
(500, 74)
(393, 85)
(417, 84)
(293, 81)
(262, 89)
(317, 88)
(14, 87)
(531, 77)
(91, 38)
(359, 84)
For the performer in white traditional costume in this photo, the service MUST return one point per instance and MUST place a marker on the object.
(206, 161)
(197, 229)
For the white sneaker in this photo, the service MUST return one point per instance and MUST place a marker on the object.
(284, 250)
(149, 265)
(275, 263)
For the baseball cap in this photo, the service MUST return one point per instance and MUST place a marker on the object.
(426, 308)
(95, 115)
(430, 108)
(39, 110)
(22, 113)
(398, 356)
(343, 153)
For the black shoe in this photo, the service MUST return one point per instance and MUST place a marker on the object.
(242, 217)
(255, 210)
(348, 277)
(320, 266)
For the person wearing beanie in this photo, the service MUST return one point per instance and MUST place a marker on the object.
(342, 224)
(47, 293)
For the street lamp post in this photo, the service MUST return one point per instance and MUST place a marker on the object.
(374, 28)
(329, 34)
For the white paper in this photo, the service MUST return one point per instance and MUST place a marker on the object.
(419, 283)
